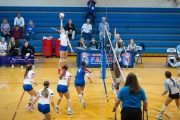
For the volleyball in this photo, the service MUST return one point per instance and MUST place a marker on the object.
(61, 15)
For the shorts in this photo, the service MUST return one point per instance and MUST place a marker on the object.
(62, 88)
(27, 87)
(63, 48)
(120, 63)
(79, 82)
(44, 108)
(174, 96)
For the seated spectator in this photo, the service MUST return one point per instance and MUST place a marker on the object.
(176, 61)
(5, 28)
(19, 21)
(93, 44)
(13, 48)
(3, 51)
(91, 9)
(86, 30)
(27, 52)
(178, 49)
(17, 35)
(70, 29)
(81, 45)
(30, 31)
(101, 28)
(132, 46)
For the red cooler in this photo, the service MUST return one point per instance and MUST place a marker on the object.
(57, 43)
(47, 48)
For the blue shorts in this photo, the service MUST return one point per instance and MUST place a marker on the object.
(27, 87)
(62, 88)
(79, 82)
(44, 108)
(63, 48)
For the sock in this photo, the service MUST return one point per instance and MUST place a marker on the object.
(57, 106)
(69, 109)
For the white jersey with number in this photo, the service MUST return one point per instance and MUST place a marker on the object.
(28, 79)
(65, 78)
(42, 99)
(64, 39)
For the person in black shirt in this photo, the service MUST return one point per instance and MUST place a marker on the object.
(81, 44)
(70, 29)
(27, 53)
(93, 44)
(13, 48)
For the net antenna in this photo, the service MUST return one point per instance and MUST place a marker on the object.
(109, 40)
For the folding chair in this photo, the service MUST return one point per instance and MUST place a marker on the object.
(171, 53)
(138, 55)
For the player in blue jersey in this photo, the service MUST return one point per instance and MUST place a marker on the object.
(79, 81)
(172, 87)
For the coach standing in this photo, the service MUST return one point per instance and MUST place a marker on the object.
(91, 10)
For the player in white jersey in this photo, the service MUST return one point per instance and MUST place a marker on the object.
(172, 86)
(27, 84)
(62, 88)
(45, 97)
(3, 47)
(63, 47)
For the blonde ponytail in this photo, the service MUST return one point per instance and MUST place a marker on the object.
(45, 92)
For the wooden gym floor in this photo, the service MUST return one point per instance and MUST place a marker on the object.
(150, 75)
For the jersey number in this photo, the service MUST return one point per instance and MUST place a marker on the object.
(79, 70)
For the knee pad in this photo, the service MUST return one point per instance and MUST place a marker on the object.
(82, 91)
(163, 108)
(31, 97)
(64, 60)
(80, 95)
(59, 98)
(179, 108)
(117, 80)
(69, 100)
(60, 60)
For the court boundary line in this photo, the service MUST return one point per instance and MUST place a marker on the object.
(14, 116)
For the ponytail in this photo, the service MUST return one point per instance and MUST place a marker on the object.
(172, 81)
(45, 92)
(65, 67)
(83, 64)
(28, 68)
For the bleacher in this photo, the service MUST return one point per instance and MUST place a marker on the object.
(157, 28)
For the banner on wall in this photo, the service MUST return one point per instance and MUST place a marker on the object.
(94, 58)
(127, 58)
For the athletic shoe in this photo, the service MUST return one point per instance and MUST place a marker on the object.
(12, 66)
(84, 104)
(56, 108)
(70, 112)
(21, 66)
(33, 67)
(159, 117)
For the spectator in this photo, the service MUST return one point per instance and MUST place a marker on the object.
(91, 9)
(30, 30)
(17, 35)
(27, 52)
(117, 38)
(132, 46)
(178, 49)
(101, 28)
(81, 44)
(19, 21)
(131, 96)
(13, 49)
(3, 51)
(86, 30)
(93, 44)
(70, 29)
(176, 61)
(5, 28)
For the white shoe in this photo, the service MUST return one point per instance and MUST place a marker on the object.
(56, 108)
(84, 104)
(159, 117)
(33, 67)
(70, 112)
(12, 66)
(21, 66)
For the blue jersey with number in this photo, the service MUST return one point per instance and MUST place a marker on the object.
(80, 73)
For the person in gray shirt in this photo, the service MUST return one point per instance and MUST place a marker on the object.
(101, 28)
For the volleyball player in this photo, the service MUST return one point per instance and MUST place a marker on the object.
(172, 86)
(79, 81)
(62, 88)
(63, 47)
(176, 61)
(45, 97)
(27, 84)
